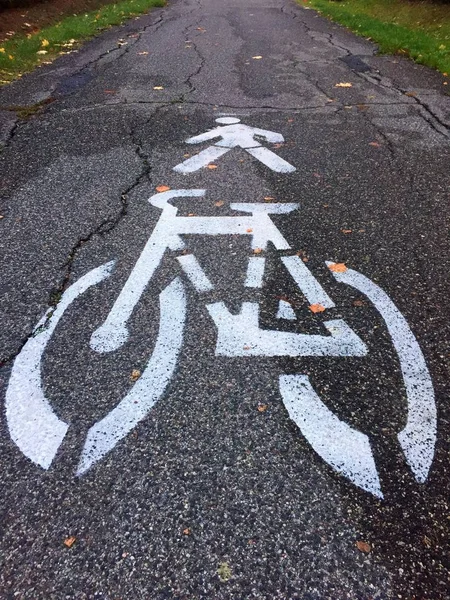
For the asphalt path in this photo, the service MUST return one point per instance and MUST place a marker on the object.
(214, 490)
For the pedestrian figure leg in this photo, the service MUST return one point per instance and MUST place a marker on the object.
(201, 160)
(271, 160)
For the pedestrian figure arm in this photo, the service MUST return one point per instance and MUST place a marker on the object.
(203, 137)
(270, 136)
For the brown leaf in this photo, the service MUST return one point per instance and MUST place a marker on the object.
(219, 203)
(249, 230)
(363, 546)
(212, 166)
(162, 188)
(346, 230)
(269, 198)
(411, 94)
(187, 531)
(135, 374)
(186, 155)
(358, 303)
(70, 541)
(375, 144)
(316, 308)
(337, 268)
(262, 407)
(257, 251)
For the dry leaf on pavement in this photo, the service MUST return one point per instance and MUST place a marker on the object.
(212, 166)
(135, 374)
(344, 84)
(363, 547)
(337, 267)
(316, 308)
(262, 407)
(70, 541)
(219, 203)
(162, 188)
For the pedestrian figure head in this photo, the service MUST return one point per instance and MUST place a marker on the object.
(228, 120)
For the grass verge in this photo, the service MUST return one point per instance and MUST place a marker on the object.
(418, 29)
(22, 53)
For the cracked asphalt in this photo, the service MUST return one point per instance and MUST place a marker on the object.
(216, 493)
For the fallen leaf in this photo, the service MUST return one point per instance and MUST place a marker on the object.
(212, 166)
(268, 198)
(375, 144)
(162, 188)
(316, 308)
(45, 43)
(187, 531)
(142, 53)
(186, 155)
(426, 541)
(363, 546)
(135, 374)
(224, 572)
(158, 87)
(344, 84)
(358, 303)
(41, 52)
(262, 407)
(70, 541)
(346, 230)
(245, 347)
(249, 230)
(278, 145)
(219, 203)
(337, 267)
(2, 50)
(257, 251)
(191, 214)
(256, 57)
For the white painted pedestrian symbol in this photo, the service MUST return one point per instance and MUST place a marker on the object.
(39, 432)
(234, 134)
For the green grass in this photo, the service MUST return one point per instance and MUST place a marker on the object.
(419, 29)
(22, 54)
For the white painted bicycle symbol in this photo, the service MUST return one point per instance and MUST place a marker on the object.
(39, 432)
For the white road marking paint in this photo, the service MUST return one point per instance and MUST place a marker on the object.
(308, 284)
(32, 424)
(195, 273)
(418, 438)
(234, 134)
(113, 333)
(149, 388)
(285, 311)
(240, 335)
(202, 159)
(345, 449)
(255, 272)
(271, 160)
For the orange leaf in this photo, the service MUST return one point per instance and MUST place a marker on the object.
(135, 374)
(70, 541)
(257, 251)
(219, 203)
(337, 267)
(262, 407)
(316, 308)
(269, 198)
(363, 547)
(249, 230)
(187, 531)
(212, 166)
(162, 188)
